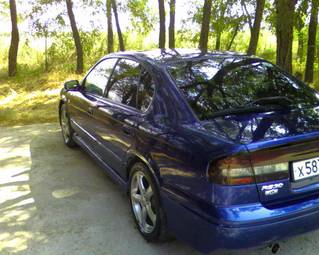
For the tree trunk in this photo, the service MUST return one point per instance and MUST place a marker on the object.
(233, 37)
(76, 37)
(300, 51)
(284, 32)
(218, 38)
(312, 32)
(252, 48)
(171, 28)
(219, 27)
(161, 8)
(14, 46)
(300, 24)
(207, 10)
(110, 44)
(46, 61)
(118, 27)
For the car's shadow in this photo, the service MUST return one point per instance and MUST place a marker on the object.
(64, 203)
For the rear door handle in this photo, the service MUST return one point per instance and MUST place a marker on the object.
(127, 129)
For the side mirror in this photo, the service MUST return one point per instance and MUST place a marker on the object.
(72, 85)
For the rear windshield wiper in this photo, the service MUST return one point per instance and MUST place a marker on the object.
(277, 100)
(243, 110)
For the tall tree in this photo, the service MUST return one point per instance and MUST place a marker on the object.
(76, 37)
(161, 8)
(301, 14)
(14, 46)
(256, 27)
(236, 29)
(312, 32)
(207, 10)
(118, 27)
(110, 44)
(171, 28)
(284, 32)
(219, 12)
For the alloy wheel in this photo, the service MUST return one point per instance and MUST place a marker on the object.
(142, 194)
(65, 125)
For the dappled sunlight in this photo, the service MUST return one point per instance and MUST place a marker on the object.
(63, 193)
(17, 206)
(18, 241)
(29, 99)
(26, 193)
(12, 192)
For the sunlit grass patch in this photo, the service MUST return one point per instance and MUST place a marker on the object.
(30, 97)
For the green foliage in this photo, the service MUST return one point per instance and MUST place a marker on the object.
(230, 19)
(142, 17)
(4, 7)
(61, 55)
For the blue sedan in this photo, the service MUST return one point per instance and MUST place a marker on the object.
(220, 150)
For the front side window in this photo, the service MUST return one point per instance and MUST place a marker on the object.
(210, 87)
(124, 82)
(131, 85)
(97, 79)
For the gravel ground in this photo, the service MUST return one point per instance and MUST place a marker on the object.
(54, 200)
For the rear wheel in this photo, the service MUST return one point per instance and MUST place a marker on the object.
(67, 131)
(145, 204)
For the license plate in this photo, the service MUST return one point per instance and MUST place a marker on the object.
(305, 168)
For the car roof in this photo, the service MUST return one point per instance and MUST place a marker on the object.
(166, 56)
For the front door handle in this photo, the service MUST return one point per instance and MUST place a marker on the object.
(90, 110)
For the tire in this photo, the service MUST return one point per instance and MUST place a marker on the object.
(145, 203)
(67, 130)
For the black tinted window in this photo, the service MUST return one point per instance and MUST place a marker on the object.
(124, 83)
(97, 79)
(131, 85)
(210, 87)
(146, 90)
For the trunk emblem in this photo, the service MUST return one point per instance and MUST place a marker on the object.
(272, 189)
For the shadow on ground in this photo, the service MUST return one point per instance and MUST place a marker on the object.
(54, 200)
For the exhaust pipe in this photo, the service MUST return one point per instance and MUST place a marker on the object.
(275, 248)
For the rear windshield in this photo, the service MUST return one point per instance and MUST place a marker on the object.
(211, 86)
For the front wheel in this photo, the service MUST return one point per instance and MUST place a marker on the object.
(145, 204)
(67, 131)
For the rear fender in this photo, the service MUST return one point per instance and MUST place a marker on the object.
(133, 156)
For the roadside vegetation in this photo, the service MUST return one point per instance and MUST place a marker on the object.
(58, 46)
(30, 97)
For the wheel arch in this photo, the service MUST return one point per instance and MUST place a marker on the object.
(132, 158)
(61, 102)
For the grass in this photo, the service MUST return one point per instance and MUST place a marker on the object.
(30, 97)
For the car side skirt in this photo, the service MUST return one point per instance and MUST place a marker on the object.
(112, 173)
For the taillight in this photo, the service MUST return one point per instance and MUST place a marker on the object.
(232, 171)
(272, 172)
(238, 170)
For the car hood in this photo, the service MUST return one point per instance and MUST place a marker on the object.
(258, 127)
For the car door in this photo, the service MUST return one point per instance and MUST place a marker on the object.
(82, 103)
(122, 113)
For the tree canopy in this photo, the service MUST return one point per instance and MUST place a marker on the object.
(79, 32)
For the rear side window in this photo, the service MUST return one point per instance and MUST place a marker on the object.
(124, 83)
(131, 85)
(145, 90)
(97, 79)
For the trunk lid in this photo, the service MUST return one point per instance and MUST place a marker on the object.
(272, 138)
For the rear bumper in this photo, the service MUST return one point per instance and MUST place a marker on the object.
(264, 227)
